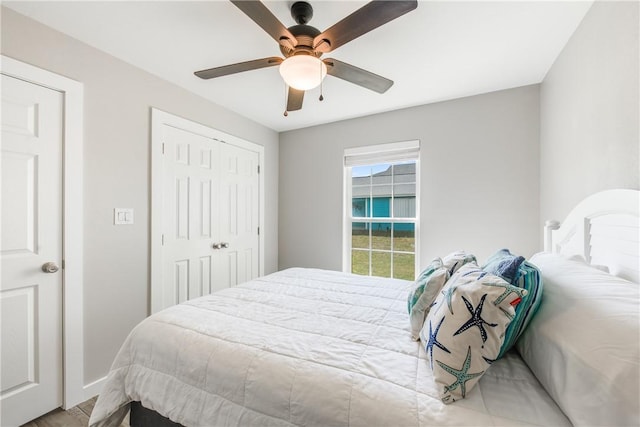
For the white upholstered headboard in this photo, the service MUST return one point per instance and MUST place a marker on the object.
(604, 229)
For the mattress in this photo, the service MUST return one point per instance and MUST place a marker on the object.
(304, 347)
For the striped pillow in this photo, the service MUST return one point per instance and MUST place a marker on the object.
(528, 277)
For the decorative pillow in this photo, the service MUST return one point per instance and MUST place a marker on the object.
(465, 328)
(582, 345)
(504, 264)
(457, 259)
(428, 285)
(527, 278)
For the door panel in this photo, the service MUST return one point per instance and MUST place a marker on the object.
(30, 299)
(206, 263)
(18, 346)
(19, 223)
(204, 208)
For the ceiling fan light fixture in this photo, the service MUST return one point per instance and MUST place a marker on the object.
(303, 72)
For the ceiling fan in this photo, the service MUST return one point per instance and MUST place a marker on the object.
(302, 46)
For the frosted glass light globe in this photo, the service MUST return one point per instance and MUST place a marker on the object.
(303, 72)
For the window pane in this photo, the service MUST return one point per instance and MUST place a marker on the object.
(360, 191)
(360, 235)
(404, 237)
(404, 266)
(360, 262)
(404, 189)
(404, 207)
(382, 202)
(381, 175)
(381, 264)
(359, 207)
(360, 181)
(361, 175)
(404, 172)
(381, 235)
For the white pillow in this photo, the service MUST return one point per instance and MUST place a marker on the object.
(583, 344)
(580, 258)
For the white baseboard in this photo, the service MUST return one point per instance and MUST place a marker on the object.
(93, 389)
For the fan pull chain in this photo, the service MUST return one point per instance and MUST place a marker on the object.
(286, 113)
(321, 97)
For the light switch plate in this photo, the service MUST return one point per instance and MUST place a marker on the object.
(122, 216)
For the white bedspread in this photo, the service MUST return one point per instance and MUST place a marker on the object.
(304, 347)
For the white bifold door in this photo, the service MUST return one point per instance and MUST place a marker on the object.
(30, 251)
(210, 218)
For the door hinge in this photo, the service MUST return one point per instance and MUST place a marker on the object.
(258, 231)
(258, 168)
(163, 148)
(163, 240)
(62, 264)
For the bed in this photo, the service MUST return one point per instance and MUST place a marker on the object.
(315, 347)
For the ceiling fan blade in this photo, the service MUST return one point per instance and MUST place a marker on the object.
(367, 18)
(358, 76)
(262, 16)
(239, 67)
(294, 99)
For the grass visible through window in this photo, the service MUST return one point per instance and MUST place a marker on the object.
(403, 264)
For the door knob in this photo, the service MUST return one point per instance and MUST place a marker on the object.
(216, 246)
(50, 267)
(224, 245)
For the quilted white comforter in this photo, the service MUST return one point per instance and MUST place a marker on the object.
(304, 347)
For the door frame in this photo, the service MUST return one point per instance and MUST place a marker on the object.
(159, 119)
(72, 221)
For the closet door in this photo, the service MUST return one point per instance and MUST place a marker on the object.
(210, 216)
(191, 186)
(237, 260)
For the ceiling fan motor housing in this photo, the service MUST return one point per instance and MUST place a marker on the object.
(302, 12)
(304, 34)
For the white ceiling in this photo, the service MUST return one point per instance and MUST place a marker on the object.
(442, 50)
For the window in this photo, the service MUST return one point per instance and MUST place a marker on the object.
(381, 203)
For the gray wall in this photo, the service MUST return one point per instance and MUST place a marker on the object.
(117, 105)
(589, 111)
(479, 177)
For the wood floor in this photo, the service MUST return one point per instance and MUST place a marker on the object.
(78, 416)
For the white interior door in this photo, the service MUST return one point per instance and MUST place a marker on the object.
(210, 214)
(31, 237)
(237, 259)
(190, 186)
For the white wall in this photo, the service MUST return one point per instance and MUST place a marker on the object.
(117, 115)
(479, 177)
(589, 108)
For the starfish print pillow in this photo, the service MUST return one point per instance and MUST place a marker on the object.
(465, 328)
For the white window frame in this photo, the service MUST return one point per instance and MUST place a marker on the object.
(375, 154)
